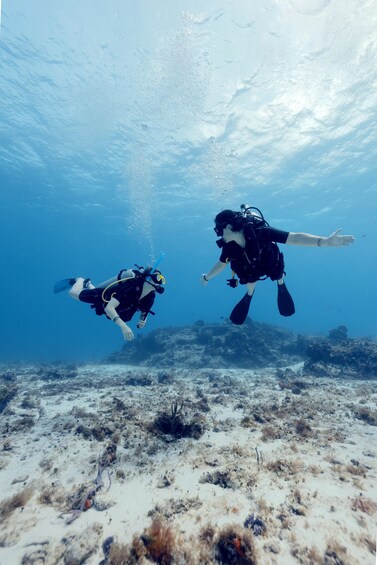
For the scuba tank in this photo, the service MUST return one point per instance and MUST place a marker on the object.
(124, 274)
(129, 273)
(251, 213)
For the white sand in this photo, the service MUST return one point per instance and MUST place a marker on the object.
(306, 488)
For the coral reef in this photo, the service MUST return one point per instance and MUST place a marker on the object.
(352, 358)
(253, 345)
(212, 345)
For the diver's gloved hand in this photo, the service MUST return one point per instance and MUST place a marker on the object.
(126, 330)
(335, 240)
(142, 320)
(203, 279)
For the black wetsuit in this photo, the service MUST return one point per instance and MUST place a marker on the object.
(128, 295)
(252, 263)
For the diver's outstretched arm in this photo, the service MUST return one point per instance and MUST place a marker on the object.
(216, 270)
(308, 240)
(113, 315)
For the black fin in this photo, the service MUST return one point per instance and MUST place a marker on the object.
(285, 301)
(241, 310)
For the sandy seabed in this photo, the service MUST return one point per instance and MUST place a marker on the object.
(118, 464)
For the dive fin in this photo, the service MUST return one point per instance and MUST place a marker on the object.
(63, 285)
(241, 310)
(285, 301)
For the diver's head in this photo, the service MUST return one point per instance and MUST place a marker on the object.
(152, 277)
(156, 279)
(228, 218)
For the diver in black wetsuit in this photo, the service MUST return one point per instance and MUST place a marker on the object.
(248, 243)
(121, 297)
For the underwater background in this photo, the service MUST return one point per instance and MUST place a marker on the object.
(126, 126)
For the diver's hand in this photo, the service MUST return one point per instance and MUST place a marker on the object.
(203, 279)
(126, 330)
(128, 334)
(336, 240)
(141, 324)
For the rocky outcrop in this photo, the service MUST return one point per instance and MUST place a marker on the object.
(8, 389)
(355, 358)
(252, 345)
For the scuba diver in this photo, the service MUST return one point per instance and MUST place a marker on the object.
(120, 297)
(249, 244)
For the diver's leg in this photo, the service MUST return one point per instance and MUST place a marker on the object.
(88, 284)
(77, 288)
(79, 285)
(251, 288)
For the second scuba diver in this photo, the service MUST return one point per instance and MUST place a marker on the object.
(121, 297)
(248, 243)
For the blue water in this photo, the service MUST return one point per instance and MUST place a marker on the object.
(126, 126)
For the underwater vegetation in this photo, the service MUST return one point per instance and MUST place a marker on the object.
(175, 424)
(161, 543)
(253, 345)
(184, 466)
